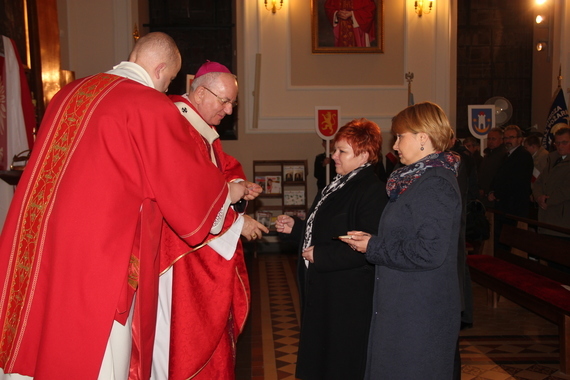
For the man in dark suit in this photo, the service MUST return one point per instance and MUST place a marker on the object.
(494, 155)
(321, 161)
(510, 189)
(551, 188)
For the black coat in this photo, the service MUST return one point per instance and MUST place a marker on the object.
(512, 181)
(417, 306)
(336, 291)
(488, 168)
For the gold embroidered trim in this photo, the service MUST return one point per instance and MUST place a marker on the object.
(27, 255)
(134, 272)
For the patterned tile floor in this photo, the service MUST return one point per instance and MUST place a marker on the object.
(507, 343)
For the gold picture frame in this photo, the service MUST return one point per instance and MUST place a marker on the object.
(361, 32)
(189, 79)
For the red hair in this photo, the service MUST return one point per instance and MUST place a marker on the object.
(362, 135)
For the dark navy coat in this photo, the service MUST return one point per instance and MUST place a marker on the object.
(417, 307)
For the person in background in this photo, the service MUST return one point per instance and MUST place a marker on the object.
(552, 188)
(533, 145)
(335, 284)
(473, 146)
(79, 251)
(494, 155)
(320, 168)
(510, 190)
(417, 306)
(467, 180)
(379, 168)
(211, 285)
(392, 160)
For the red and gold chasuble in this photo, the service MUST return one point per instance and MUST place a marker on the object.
(111, 161)
(26, 255)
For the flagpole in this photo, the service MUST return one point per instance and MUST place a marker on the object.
(410, 77)
(558, 114)
(328, 165)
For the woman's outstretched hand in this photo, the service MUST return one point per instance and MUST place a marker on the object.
(284, 224)
(357, 240)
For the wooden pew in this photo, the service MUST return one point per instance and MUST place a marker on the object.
(532, 283)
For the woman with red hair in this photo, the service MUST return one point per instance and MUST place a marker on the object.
(336, 286)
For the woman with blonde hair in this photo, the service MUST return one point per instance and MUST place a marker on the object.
(417, 307)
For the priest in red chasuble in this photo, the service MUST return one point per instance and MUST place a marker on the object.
(79, 252)
(199, 323)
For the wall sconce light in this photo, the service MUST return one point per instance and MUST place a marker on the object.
(136, 34)
(543, 28)
(273, 7)
(419, 7)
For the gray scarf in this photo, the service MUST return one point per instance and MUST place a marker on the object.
(337, 184)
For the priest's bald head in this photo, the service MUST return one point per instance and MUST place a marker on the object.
(158, 54)
(213, 92)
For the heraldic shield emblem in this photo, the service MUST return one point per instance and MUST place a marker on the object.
(481, 119)
(327, 121)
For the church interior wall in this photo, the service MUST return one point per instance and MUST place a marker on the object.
(276, 49)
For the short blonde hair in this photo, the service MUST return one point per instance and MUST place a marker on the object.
(426, 118)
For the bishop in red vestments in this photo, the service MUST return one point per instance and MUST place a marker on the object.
(210, 289)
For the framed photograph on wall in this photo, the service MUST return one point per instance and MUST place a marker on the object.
(273, 184)
(347, 26)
